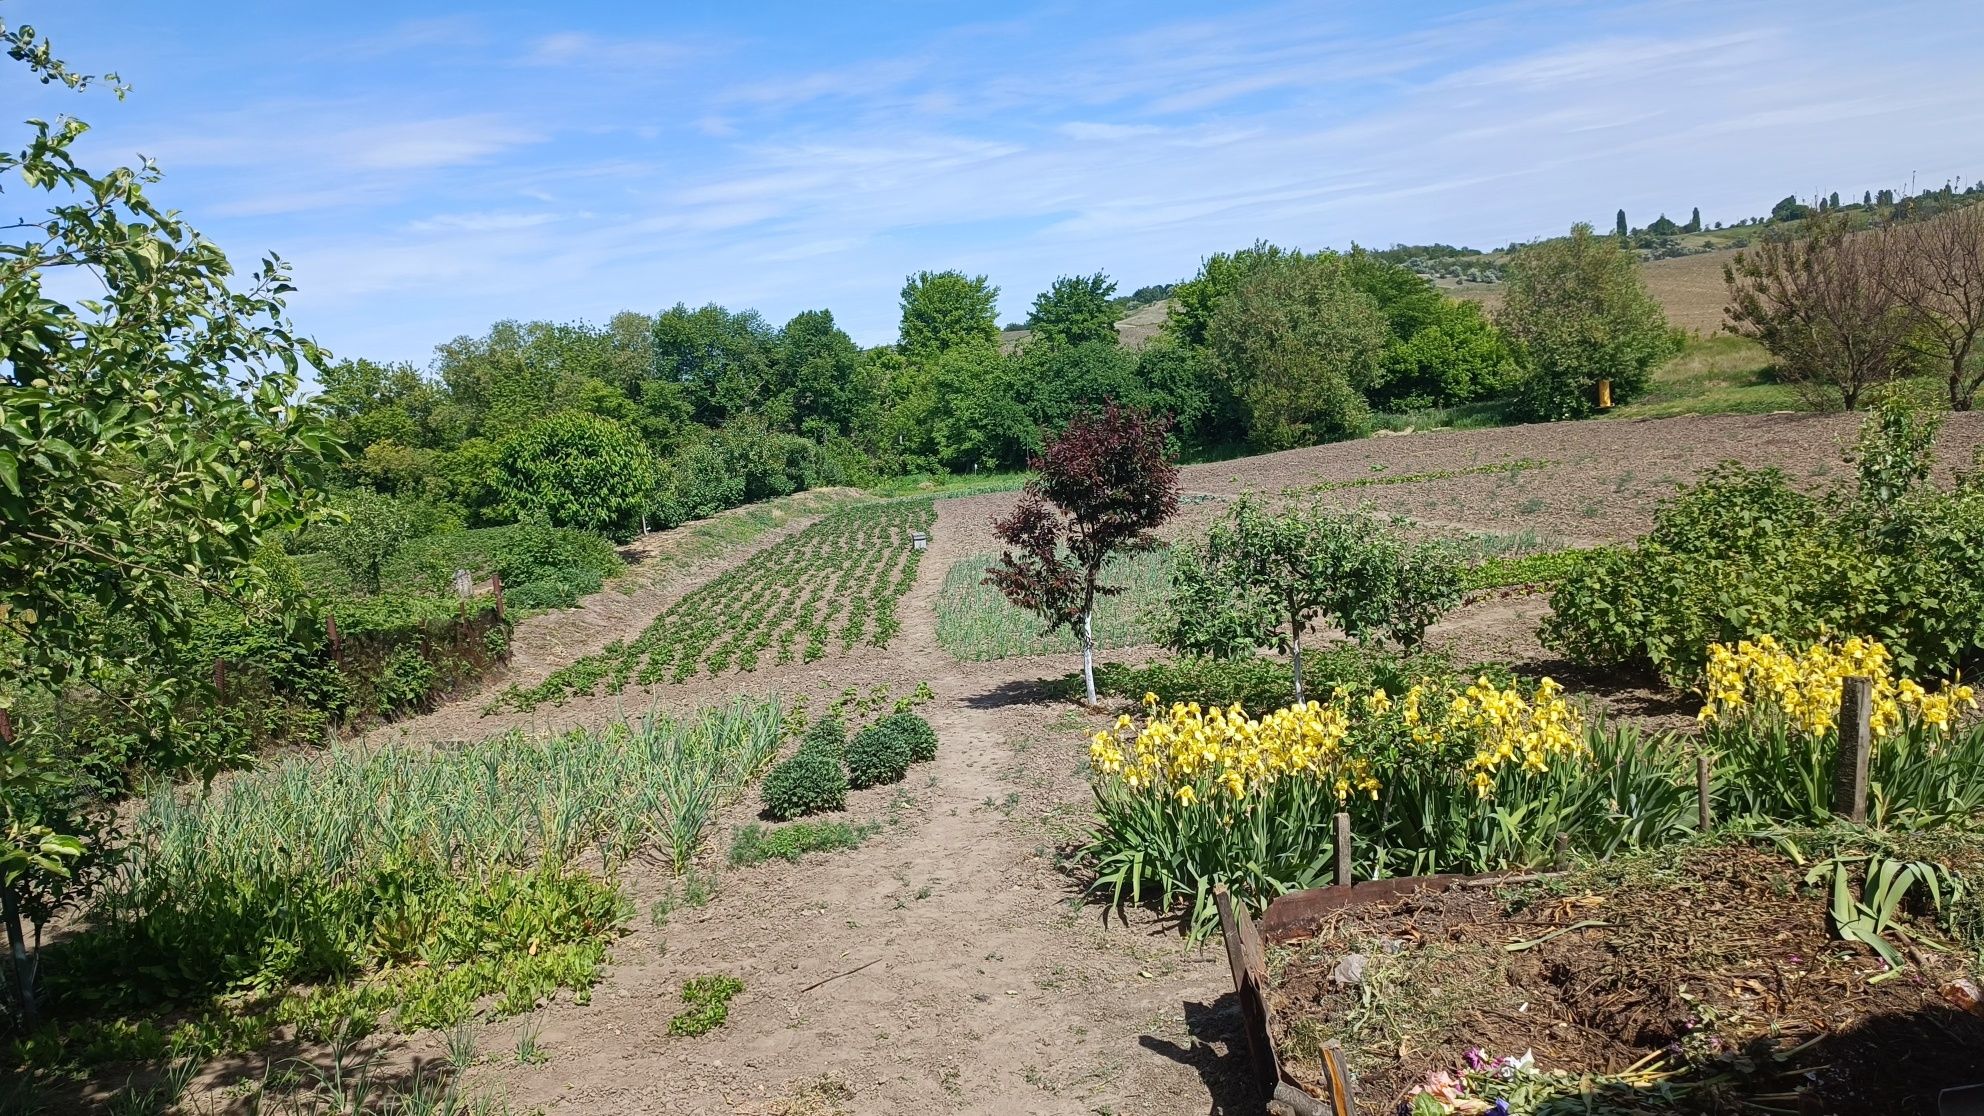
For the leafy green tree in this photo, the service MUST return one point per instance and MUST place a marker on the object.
(1459, 357)
(1184, 383)
(1408, 300)
(149, 444)
(1298, 346)
(1576, 311)
(942, 310)
(820, 366)
(1694, 224)
(1076, 310)
(1101, 487)
(1062, 381)
(1194, 302)
(576, 470)
(1789, 208)
(369, 531)
(1619, 228)
(720, 360)
(980, 417)
(1663, 225)
(1263, 578)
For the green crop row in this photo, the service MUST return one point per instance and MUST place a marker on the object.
(825, 590)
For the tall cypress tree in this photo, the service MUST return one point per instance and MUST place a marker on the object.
(1695, 222)
(1620, 228)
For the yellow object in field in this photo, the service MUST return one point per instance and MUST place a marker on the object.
(1604, 395)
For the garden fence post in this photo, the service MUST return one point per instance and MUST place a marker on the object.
(1343, 849)
(1704, 814)
(496, 587)
(1856, 740)
(337, 641)
(220, 679)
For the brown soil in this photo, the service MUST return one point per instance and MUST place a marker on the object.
(947, 964)
(1724, 954)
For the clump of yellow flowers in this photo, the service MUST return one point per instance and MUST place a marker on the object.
(1764, 678)
(1319, 752)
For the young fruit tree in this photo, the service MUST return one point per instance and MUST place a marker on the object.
(149, 443)
(1102, 486)
(1261, 578)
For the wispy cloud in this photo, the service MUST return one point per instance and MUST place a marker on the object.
(435, 175)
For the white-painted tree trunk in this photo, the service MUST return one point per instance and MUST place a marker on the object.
(1088, 656)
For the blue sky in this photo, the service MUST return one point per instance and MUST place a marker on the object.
(429, 169)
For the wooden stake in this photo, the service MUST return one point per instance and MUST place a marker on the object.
(1856, 741)
(1705, 816)
(220, 678)
(1562, 861)
(337, 641)
(496, 587)
(1343, 849)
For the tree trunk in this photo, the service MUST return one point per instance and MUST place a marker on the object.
(23, 964)
(1088, 654)
(1295, 656)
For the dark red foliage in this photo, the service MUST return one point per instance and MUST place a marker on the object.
(1102, 486)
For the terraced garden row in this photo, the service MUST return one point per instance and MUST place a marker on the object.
(830, 587)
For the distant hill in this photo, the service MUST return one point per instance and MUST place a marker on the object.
(1688, 288)
(1134, 329)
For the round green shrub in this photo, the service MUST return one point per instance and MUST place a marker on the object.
(921, 738)
(877, 755)
(827, 737)
(808, 783)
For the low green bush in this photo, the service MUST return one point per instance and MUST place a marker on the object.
(807, 783)
(916, 731)
(1259, 684)
(825, 737)
(878, 755)
(755, 844)
(1744, 554)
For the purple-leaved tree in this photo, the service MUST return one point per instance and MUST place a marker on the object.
(1100, 489)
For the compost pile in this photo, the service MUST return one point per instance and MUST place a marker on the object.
(1704, 979)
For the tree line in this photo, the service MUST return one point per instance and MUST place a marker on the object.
(650, 420)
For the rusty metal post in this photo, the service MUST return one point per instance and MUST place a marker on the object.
(1856, 743)
(1343, 850)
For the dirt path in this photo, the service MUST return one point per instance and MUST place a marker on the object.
(941, 965)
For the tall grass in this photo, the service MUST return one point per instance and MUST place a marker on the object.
(976, 623)
(434, 877)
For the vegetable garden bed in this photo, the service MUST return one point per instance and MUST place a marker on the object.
(1712, 977)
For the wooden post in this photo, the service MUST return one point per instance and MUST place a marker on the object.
(1856, 741)
(6, 728)
(1562, 860)
(1343, 849)
(220, 679)
(1704, 814)
(496, 587)
(337, 641)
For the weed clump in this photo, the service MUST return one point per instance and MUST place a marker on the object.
(755, 844)
(708, 998)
